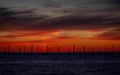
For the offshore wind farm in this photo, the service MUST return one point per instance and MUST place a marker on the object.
(59, 37)
(70, 49)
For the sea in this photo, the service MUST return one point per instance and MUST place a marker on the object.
(59, 63)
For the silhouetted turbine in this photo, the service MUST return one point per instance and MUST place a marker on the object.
(31, 48)
(58, 49)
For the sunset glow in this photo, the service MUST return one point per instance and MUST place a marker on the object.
(54, 39)
(60, 24)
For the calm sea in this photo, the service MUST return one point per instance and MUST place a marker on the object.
(60, 64)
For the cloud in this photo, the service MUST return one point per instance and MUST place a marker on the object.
(75, 23)
(113, 2)
(49, 15)
(21, 34)
(11, 20)
(51, 3)
(111, 35)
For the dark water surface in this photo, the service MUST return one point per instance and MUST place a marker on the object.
(60, 64)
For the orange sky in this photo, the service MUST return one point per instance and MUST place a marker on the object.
(53, 39)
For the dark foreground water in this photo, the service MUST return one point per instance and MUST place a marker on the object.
(60, 64)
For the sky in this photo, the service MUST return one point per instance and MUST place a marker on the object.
(62, 23)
